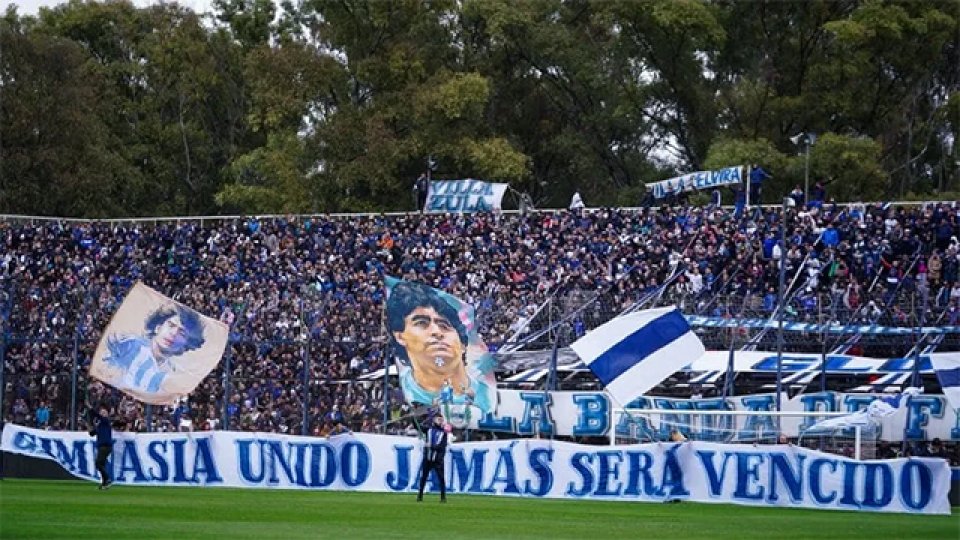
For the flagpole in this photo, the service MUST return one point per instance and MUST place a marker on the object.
(305, 398)
(922, 320)
(6, 299)
(915, 375)
(74, 365)
(228, 371)
(731, 367)
(781, 294)
(613, 419)
(387, 348)
(552, 379)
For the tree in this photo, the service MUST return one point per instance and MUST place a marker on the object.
(746, 152)
(849, 167)
(58, 155)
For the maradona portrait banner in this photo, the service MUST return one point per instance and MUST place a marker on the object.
(157, 349)
(440, 356)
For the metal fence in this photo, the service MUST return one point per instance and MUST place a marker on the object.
(274, 382)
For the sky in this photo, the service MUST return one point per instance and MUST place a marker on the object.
(31, 7)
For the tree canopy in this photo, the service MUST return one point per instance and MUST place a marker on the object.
(108, 110)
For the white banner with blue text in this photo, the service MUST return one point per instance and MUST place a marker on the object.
(588, 414)
(464, 196)
(696, 181)
(775, 475)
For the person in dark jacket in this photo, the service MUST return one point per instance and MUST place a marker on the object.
(433, 453)
(104, 433)
(421, 189)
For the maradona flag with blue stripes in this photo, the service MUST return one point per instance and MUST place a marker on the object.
(635, 352)
(947, 368)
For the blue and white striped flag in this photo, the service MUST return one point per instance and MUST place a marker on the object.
(635, 352)
(947, 368)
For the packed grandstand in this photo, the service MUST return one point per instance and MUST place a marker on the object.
(304, 296)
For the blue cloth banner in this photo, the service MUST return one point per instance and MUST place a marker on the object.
(775, 475)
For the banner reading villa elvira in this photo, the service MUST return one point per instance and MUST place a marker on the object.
(696, 181)
(775, 475)
(464, 196)
(440, 356)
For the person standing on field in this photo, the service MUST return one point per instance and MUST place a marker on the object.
(104, 433)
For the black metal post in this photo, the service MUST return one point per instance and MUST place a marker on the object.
(305, 393)
(386, 386)
(227, 369)
(4, 314)
(783, 306)
(74, 368)
(731, 368)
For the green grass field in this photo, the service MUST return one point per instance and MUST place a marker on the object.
(65, 509)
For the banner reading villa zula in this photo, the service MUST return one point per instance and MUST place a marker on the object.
(776, 475)
(464, 196)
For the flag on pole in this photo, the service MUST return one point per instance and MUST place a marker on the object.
(947, 368)
(635, 352)
(576, 202)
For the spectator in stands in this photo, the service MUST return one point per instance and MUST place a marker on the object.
(421, 189)
(757, 177)
(935, 449)
(797, 196)
(306, 293)
(42, 415)
(886, 451)
(818, 195)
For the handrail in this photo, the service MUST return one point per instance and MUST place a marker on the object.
(201, 219)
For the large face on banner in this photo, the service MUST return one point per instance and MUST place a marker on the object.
(440, 358)
(156, 349)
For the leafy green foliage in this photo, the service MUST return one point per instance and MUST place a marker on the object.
(334, 105)
(849, 167)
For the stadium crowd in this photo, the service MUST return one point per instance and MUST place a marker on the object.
(305, 294)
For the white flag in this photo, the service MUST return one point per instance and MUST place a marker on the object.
(947, 368)
(576, 202)
(635, 352)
